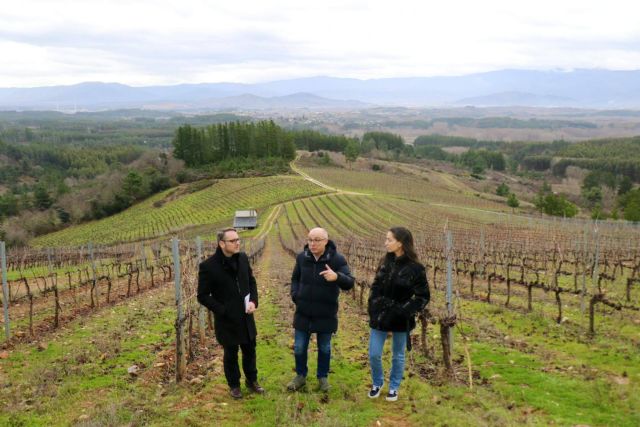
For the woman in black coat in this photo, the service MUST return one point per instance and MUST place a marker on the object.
(399, 291)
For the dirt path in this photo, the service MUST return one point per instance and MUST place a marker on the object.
(346, 403)
(308, 177)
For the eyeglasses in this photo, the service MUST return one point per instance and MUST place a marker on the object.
(310, 241)
(232, 241)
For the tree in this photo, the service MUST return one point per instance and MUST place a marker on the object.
(477, 169)
(591, 180)
(632, 206)
(62, 188)
(63, 216)
(557, 205)
(287, 147)
(133, 186)
(502, 190)
(592, 195)
(42, 200)
(625, 185)
(513, 201)
(494, 160)
(8, 205)
(367, 145)
(157, 181)
(597, 212)
(614, 213)
(435, 153)
(352, 151)
(385, 140)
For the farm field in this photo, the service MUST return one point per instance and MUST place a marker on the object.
(410, 187)
(523, 350)
(180, 208)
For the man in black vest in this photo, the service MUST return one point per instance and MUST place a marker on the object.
(319, 274)
(226, 286)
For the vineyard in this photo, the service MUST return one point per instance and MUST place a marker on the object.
(409, 183)
(532, 321)
(178, 209)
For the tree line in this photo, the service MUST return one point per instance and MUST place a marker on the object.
(199, 146)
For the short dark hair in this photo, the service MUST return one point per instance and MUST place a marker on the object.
(220, 234)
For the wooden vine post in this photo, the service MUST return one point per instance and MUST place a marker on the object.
(5, 290)
(181, 360)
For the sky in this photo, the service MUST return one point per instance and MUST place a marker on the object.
(158, 42)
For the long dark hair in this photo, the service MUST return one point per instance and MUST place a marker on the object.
(404, 236)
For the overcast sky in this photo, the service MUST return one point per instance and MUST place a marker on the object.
(152, 42)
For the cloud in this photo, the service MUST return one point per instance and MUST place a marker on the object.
(164, 42)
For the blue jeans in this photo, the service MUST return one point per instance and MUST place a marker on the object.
(300, 347)
(376, 344)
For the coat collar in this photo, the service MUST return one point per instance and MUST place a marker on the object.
(228, 262)
(329, 252)
(390, 257)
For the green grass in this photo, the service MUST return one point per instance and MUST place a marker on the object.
(567, 401)
(83, 368)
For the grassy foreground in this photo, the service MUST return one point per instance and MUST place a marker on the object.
(527, 371)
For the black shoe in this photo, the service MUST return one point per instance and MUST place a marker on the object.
(235, 392)
(392, 396)
(374, 392)
(255, 387)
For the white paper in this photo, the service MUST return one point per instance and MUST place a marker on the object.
(246, 302)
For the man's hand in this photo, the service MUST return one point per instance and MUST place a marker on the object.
(251, 307)
(328, 274)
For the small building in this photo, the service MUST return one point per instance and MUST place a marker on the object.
(245, 220)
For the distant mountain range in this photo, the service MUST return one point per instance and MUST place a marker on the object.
(578, 88)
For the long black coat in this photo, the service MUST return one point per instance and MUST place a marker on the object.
(399, 291)
(316, 299)
(222, 284)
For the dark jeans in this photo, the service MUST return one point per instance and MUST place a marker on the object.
(231, 368)
(301, 346)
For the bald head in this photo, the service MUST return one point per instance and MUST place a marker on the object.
(318, 232)
(317, 240)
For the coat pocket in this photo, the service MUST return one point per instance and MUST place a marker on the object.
(233, 311)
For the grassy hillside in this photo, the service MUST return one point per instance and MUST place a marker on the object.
(183, 207)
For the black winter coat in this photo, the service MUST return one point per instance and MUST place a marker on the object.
(316, 299)
(399, 291)
(222, 284)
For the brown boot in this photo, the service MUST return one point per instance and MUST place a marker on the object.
(235, 392)
(255, 387)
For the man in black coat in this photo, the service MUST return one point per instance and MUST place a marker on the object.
(319, 274)
(226, 286)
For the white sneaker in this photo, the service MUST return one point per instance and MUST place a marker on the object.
(392, 396)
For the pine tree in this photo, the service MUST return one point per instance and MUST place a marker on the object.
(352, 151)
(42, 200)
(513, 201)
